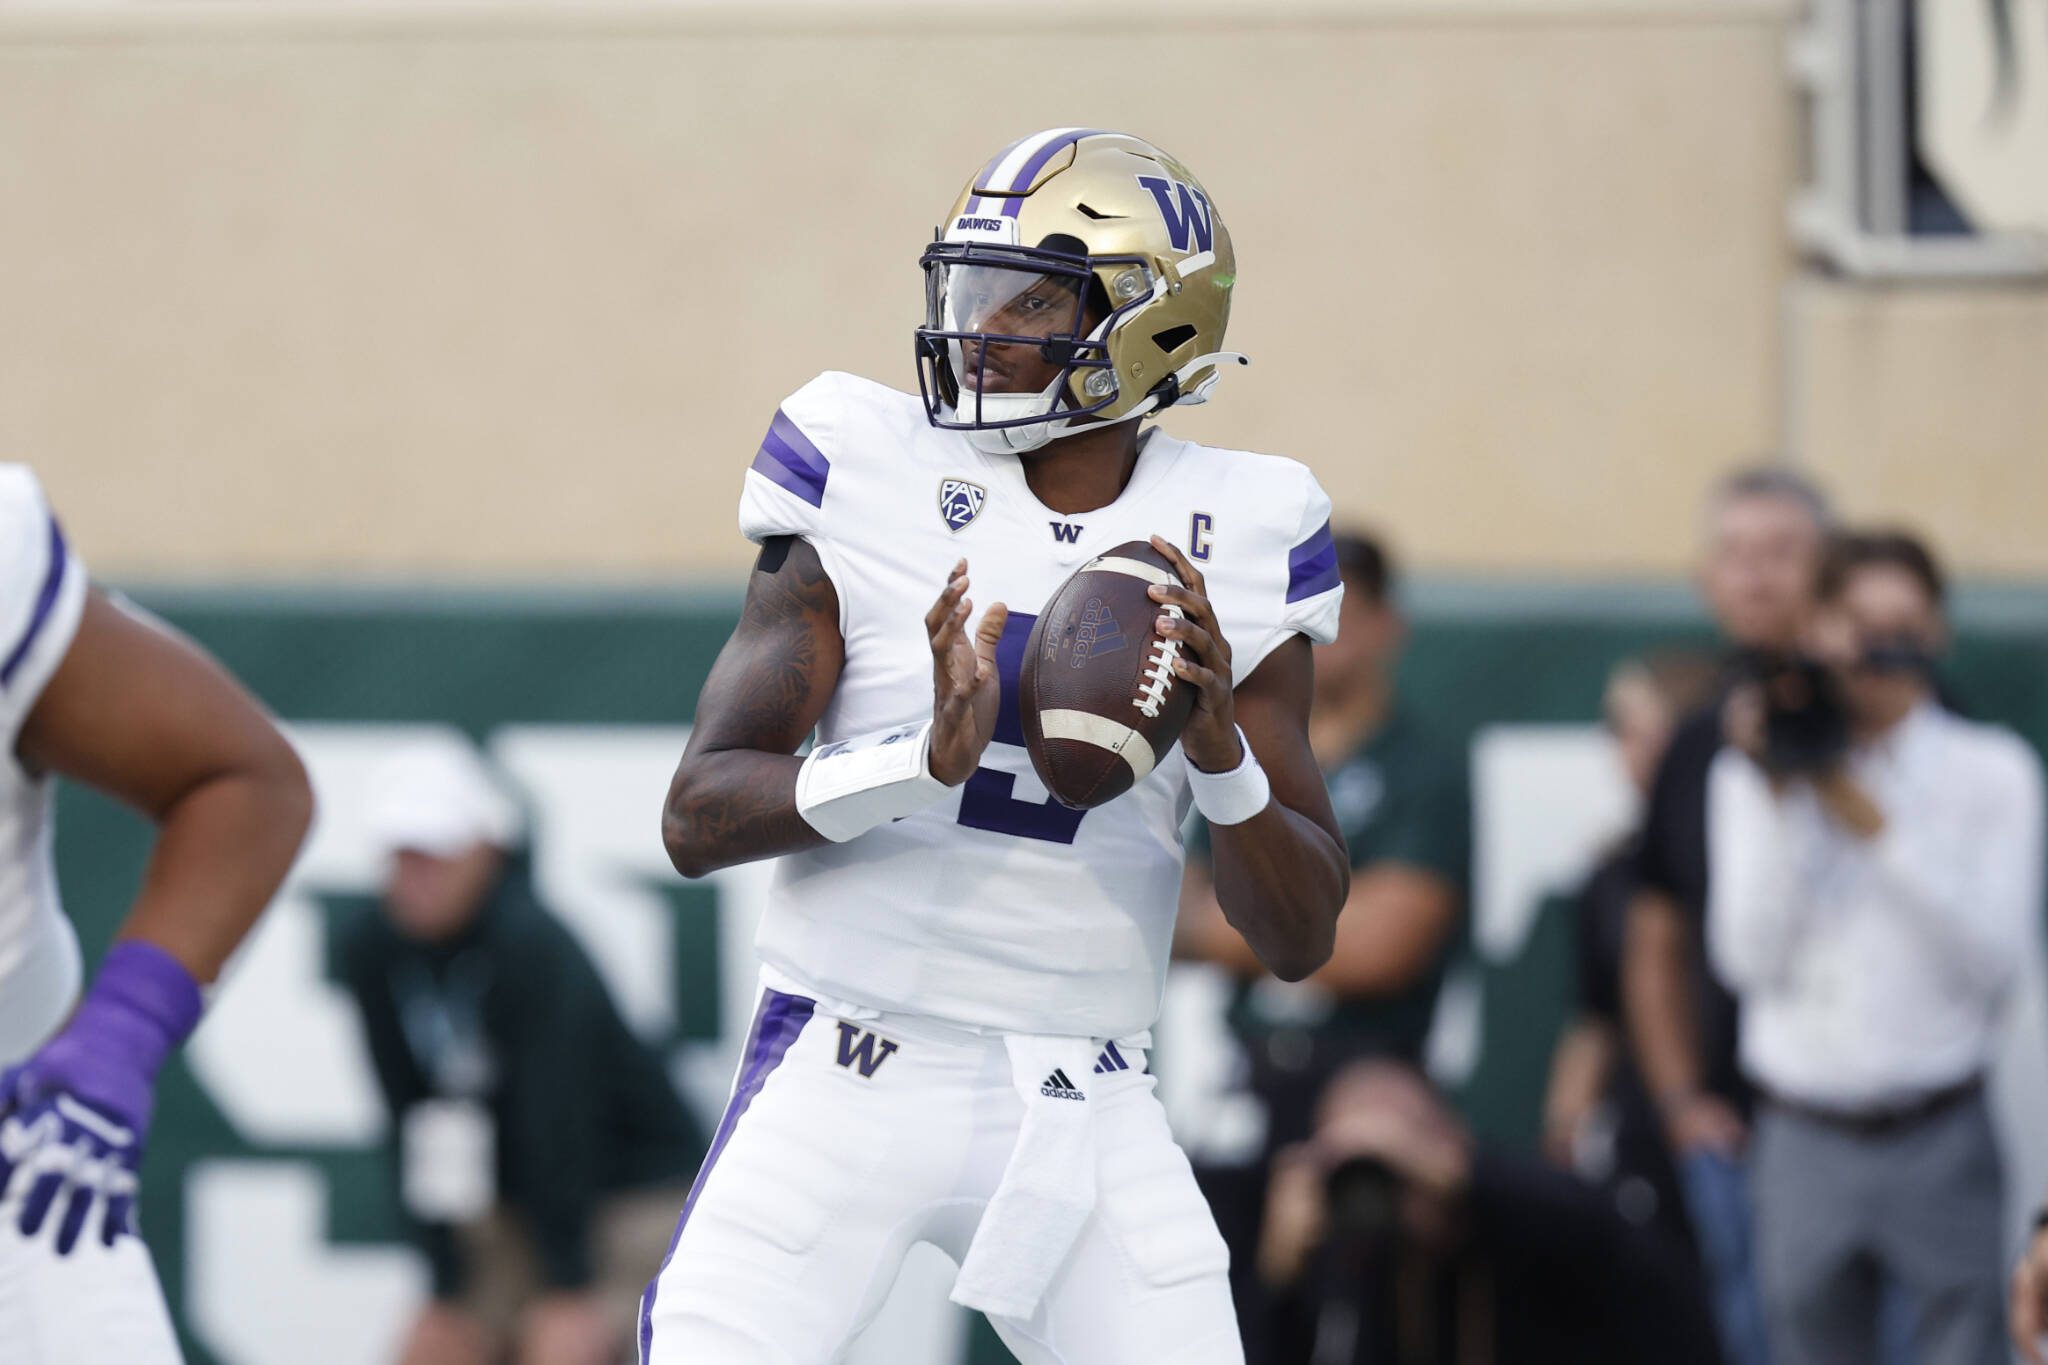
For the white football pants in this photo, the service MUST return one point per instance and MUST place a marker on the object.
(97, 1304)
(848, 1141)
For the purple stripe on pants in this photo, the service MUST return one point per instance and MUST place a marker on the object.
(776, 1025)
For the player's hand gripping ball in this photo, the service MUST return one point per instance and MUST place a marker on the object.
(1101, 700)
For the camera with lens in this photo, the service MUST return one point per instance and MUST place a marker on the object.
(1362, 1195)
(1806, 717)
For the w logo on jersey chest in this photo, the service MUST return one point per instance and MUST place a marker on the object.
(859, 1048)
(960, 502)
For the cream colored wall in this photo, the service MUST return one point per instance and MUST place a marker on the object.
(1930, 407)
(309, 289)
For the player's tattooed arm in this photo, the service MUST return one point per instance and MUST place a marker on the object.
(138, 713)
(733, 798)
(1281, 876)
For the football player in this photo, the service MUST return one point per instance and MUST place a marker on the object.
(960, 972)
(105, 697)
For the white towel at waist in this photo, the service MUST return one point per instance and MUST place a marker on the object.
(1048, 1187)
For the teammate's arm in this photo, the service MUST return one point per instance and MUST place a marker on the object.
(140, 714)
(733, 799)
(1282, 875)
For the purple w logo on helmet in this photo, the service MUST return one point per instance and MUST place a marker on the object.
(1189, 219)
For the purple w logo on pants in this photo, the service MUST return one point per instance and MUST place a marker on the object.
(857, 1047)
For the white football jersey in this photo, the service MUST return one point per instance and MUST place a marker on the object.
(997, 907)
(42, 594)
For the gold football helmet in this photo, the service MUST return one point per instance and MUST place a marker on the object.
(1089, 253)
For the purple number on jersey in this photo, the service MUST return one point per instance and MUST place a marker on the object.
(986, 801)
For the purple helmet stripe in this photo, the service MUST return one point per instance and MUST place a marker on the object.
(46, 601)
(788, 457)
(777, 1023)
(1312, 566)
(988, 172)
(1022, 180)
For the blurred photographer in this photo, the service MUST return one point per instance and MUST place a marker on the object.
(1766, 529)
(1875, 878)
(1390, 1240)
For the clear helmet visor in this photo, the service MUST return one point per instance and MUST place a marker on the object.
(997, 319)
(1015, 345)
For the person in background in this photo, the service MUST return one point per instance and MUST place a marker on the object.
(541, 1151)
(1598, 1118)
(1766, 529)
(1872, 901)
(1401, 795)
(1391, 1239)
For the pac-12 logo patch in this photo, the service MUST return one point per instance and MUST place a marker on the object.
(960, 502)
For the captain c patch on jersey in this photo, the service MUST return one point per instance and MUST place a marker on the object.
(960, 502)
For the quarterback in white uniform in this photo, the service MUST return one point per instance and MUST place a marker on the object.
(90, 690)
(959, 972)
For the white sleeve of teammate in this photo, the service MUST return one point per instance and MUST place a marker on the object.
(42, 596)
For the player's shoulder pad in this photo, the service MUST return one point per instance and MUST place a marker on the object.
(21, 501)
(1278, 502)
(32, 551)
(42, 593)
(824, 431)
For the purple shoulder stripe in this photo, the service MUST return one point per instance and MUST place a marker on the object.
(46, 601)
(1312, 566)
(788, 457)
(777, 1024)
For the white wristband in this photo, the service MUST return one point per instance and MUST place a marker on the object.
(852, 785)
(1234, 797)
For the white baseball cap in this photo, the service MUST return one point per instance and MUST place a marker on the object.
(439, 797)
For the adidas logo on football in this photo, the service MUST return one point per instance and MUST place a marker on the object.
(1060, 1088)
(1098, 633)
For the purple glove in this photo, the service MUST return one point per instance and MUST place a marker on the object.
(73, 1117)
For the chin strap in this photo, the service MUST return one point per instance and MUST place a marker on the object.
(1021, 440)
(1168, 392)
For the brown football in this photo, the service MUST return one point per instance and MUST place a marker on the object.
(1100, 702)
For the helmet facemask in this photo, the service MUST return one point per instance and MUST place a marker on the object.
(993, 311)
(1122, 242)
